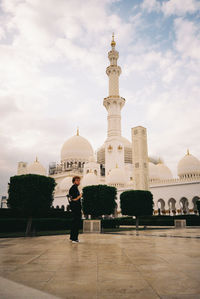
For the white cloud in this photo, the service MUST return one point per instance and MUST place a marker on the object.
(180, 7)
(187, 38)
(172, 7)
(151, 5)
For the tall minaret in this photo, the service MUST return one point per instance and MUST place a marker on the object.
(114, 149)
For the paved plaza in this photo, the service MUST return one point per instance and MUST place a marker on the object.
(155, 264)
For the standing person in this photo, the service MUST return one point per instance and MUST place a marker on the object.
(75, 206)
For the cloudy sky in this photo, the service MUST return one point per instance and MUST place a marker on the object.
(53, 55)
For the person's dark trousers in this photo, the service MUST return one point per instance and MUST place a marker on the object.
(76, 221)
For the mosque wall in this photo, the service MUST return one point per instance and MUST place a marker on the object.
(163, 194)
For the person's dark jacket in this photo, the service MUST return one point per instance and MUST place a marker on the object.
(74, 193)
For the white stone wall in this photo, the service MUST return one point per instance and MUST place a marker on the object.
(114, 154)
(177, 191)
(140, 158)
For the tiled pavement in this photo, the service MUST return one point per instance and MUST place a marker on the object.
(155, 264)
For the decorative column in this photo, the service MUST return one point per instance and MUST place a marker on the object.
(140, 158)
(114, 149)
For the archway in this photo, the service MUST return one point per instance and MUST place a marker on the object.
(184, 205)
(172, 206)
(194, 201)
(161, 206)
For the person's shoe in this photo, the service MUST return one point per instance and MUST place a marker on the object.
(75, 241)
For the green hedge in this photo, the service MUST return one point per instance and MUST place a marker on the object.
(39, 224)
(45, 224)
(191, 220)
(51, 213)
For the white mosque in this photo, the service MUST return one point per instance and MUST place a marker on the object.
(121, 163)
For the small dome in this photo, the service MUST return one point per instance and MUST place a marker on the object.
(90, 179)
(77, 148)
(153, 172)
(65, 184)
(116, 177)
(164, 172)
(36, 168)
(188, 165)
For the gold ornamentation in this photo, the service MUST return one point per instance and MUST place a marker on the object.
(113, 43)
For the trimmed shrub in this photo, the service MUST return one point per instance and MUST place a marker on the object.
(30, 195)
(136, 203)
(99, 200)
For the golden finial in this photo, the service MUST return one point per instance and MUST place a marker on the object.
(116, 165)
(113, 43)
(160, 161)
(36, 159)
(77, 133)
(188, 152)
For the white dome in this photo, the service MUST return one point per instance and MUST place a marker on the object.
(153, 171)
(188, 165)
(65, 184)
(90, 179)
(36, 168)
(76, 148)
(164, 172)
(116, 177)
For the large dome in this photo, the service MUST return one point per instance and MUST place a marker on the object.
(76, 148)
(153, 172)
(188, 165)
(164, 172)
(36, 168)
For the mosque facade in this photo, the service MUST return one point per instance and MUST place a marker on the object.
(122, 163)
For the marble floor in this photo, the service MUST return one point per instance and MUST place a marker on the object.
(154, 264)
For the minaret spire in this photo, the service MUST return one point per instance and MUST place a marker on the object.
(114, 113)
(113, 43)
(114, 151)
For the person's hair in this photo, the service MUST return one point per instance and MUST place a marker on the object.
(76, 177)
